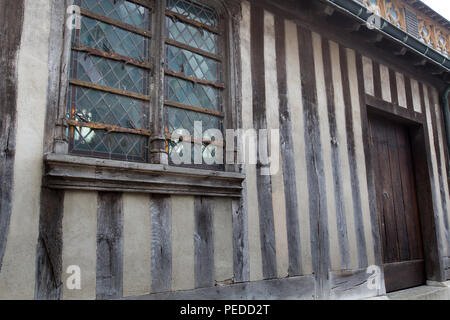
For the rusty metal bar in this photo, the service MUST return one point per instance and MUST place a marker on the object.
(126, 26)
(194, 23)
(112, 56)
(108, 128)
(193, 49)
(195, 109)
(172, 73)
(94, 86)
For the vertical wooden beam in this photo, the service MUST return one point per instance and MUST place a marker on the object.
(11, 17)
(335, 156)
(49, 248)
(157, 153)
(369, 166)
(316, 180)
(426, 197)
(441, 173)
(241, 265)
(288, 160)
(409, 94)
(161, 244)
(109, 246)
(204, 242)
(263, 182)
(351, 151)
(377, 80)
(393, 84)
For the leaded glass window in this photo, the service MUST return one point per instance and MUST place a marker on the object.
(114, 58)
(108, 98)
(194, 75)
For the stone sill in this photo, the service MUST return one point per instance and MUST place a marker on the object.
(80, 173)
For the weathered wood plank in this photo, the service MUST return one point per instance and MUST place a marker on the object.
(11, 15)
(72, 172)
(368, 163)
(377, 80)
(442, 175)
(249, 202)
(109, 267)
(427, 196)
(204, 242)
(273, 125)
(288, 160)
(294, 288)
(409, 94)
(161, 243)
(49, 250)
(263, 181)
(241, 265)
(296, 108)
(341, 221)
(352, 159)
(393, 86)
(316, 180)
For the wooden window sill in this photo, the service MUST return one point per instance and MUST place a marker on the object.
(79, 173)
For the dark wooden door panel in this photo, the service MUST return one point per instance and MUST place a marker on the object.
(397, 204)
(403, 275)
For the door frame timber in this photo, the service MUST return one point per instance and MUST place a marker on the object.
(421, 153)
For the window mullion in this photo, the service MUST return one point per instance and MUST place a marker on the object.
(158, 153)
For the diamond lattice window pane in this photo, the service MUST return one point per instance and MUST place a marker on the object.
(192, 64)
(109, 38)
(115, 146)
(194, 11)
(110, 73)
(184, 119)
(192, 94)
(97, 106)
(192, 36)
(120, 10)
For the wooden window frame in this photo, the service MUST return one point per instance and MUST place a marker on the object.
(57, 144)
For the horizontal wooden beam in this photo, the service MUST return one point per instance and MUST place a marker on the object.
(195, 109)
(293, 288)
(122, 25)
(94, 86)
(108, 128)
(194, 23)
(215, 84)
(79, 173)
(193, 49)
(111, 56)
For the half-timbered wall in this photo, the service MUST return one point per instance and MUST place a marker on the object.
(307, 232)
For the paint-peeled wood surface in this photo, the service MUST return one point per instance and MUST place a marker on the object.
(136, 244)
(17, 277)
(254, 243)
(80, 243)
(182, 243)
(223, 240)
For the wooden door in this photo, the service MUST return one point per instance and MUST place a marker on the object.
(397, 204)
